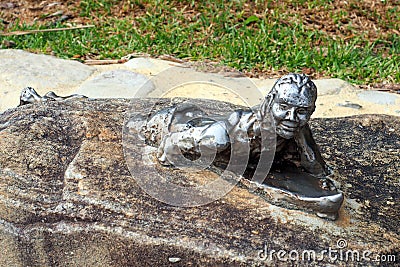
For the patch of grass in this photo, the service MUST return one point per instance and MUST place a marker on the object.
(260, 37)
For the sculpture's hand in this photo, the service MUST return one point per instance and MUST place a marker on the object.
(29, 96)
(327, 184)
(204, 142)
(305, 148)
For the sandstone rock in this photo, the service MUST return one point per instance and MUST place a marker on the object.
(186, 82)
(115, 84)
(19, 69)
(67, 197)
(332, 86)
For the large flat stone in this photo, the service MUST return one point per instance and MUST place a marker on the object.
(149, 66)
(67, 197)
(325, 86)
(376, 97)
(19, 69)
(356, 102)
(332, 86)
(186, 82)
(117, 83)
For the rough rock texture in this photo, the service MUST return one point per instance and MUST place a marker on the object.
(19, 69)
(68, 199)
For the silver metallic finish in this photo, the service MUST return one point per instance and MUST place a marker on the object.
(186, 136)
(291, 102)
(29, 95)
(187, 131)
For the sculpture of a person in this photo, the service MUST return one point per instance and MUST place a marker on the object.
(187, 129)
(291, 102)
(186, 135)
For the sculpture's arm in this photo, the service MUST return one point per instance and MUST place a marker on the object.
(311, 158)
(239, 124)
(207, 140)
(204, 141)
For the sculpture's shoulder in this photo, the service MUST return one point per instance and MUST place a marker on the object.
(241, 116)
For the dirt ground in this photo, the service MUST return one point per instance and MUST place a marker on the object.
(367, 17)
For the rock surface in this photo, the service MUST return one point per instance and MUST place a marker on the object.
(375, 97)
(114, 84)
(147, 66)
(68, 199)
(19, 69)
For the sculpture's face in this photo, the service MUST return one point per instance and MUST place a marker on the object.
(291, 109)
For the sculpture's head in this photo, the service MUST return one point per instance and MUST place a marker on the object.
(292, 102)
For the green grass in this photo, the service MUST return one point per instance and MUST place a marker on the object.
(226, 32)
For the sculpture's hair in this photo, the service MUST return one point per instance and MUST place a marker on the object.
(301, 81)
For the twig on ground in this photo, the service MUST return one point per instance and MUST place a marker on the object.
(45, 30)
(104, 61)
